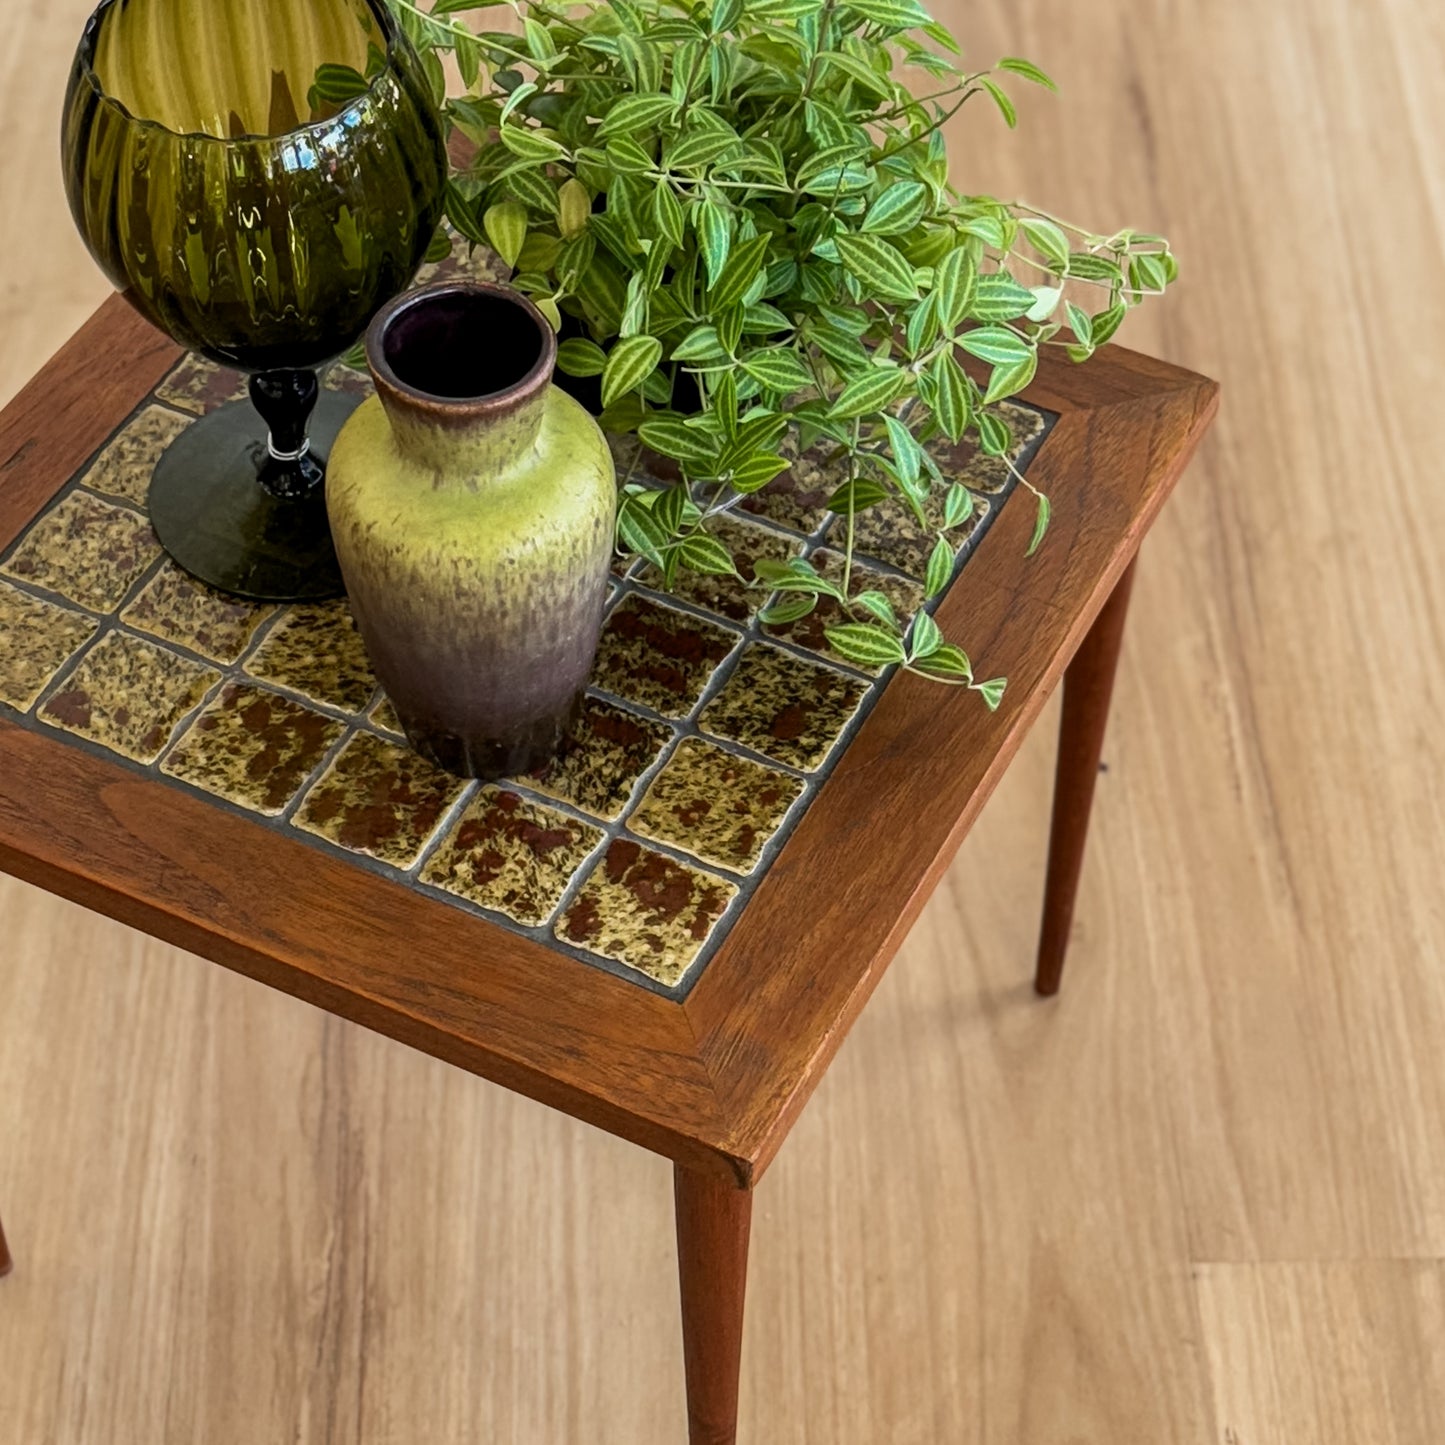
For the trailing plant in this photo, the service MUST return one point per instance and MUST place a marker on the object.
(744, 207)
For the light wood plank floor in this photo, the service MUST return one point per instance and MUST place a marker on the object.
(1200, 1198)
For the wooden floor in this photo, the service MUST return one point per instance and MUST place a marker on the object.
(1200, 1198)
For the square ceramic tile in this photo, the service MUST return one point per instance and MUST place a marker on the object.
(659, 656)
(128, 695)
(88, 550)
(727, 595)
(174, 607)
(645, 910)
(609, 750)
(717, 805)
(890, 532)
(124, 468)
(253, 747)
(385, 716)
(37, 639)
(380, 799)
(905, 594)
(315, 649)
(511, 855)
(798, 497)
(348, 381)
(200, 386)
(964, 461)
(784, 707)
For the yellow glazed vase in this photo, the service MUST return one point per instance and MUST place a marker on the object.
(472, 505)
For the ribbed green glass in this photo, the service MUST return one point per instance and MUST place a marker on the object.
(244, 216)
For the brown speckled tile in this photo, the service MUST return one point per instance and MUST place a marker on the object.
(174, 607)
(347, 381)
(128, 695)
(511, 855)
(726, 595)
(642, 909)
(253, 747)
(718, 806)
(315, 649)
(905, 595)
(610, 750)
(798, 497)
(385, 717)
(380, 799)
(784, 707)
(658, 656)
(200, 386)
(88, 550)
(466, 263)
(124, 468)
(978, 471)
(36, 640)
(890, 532)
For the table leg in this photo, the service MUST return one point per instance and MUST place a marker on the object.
(6, 1263)
(714, 1223)
(1088, 686)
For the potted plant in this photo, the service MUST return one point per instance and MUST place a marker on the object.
(738, 213)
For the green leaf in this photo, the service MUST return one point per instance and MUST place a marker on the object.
(988, 229)
(955, 280)
(506, 228)
(866, 644)
(667, 214)
(926, 638)
(898, 210)
(1147, 272)
(996, 345)
(957, 506)
(579, 357)
(714, 234)
(1000, 99)
(790, 609)
(699, 148)
(637, 113)
(701, 344)
(1026, 68)
(1046, 302)
(856, 70)
(629, 364)
(1001, 298)
(339, 83)
(878, 604)
(743, 266)
(1041, 524)
(707, 554)
(947, 661)
(1089, 267)
(856, 495)
(907, 454)
(892, 14)
(1106, 323)
(755, 473)
(689, 445)
(992, 691)
(463, 216)
(532, 186)
(528, 144)
(870, 392)
(440, 248)
(879, 266)
(994, 435)
(1010, 379)
(1049, 241)
(951, 403)
(778, 368)
(639, 531)
(940, 568)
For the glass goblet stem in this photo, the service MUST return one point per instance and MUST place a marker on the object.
(286, 400)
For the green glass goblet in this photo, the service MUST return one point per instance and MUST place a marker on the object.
(259, 177)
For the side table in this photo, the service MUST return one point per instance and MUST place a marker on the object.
(669, 934)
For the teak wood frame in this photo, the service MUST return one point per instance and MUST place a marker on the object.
(717, 1080)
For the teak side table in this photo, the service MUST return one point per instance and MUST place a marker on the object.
(714, 1071)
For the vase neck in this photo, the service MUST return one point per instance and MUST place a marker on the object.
(463, 372)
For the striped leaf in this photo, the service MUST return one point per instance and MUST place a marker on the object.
(629, 364)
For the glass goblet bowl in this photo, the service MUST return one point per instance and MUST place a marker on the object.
(259, 177)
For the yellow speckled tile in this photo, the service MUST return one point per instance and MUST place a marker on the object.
(978, 471)
(37, 639)
(200, 386)
(125, 467)
(315, 649)
(905, 594)
(784, 707)
(128, 695)
(88, 550)
(659, 656)
(380, 799)
(253, 747)
(347, 381)
(798, 497)
(718, 806)
(890, 532)
(466, 263)
(729, 596)
(511, 855)
(608, 751)
(642, 909)
(174, 607)
(385, 717)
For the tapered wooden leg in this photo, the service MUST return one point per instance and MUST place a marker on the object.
(714, 1223)
(1088, 686)
(6, 1263)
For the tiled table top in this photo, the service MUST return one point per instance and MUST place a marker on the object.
(704, 738)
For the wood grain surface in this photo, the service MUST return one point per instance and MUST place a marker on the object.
(1195, 1199)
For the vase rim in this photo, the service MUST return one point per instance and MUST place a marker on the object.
(483, 406)
(389, 29)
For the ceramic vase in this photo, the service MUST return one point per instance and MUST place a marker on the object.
(472, 504)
